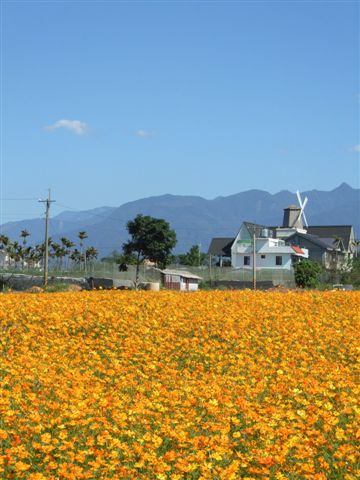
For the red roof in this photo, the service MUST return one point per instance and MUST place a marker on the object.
(298, 250)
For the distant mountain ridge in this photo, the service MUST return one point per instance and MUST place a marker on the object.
(195, 219)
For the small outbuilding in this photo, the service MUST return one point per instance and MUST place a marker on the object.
(180, 280)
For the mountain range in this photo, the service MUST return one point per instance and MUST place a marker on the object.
(195, 219)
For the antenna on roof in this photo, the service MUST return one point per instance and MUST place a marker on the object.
(302, 207)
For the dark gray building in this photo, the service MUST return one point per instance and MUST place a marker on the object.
(220, 248)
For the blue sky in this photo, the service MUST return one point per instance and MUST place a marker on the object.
(108, 102)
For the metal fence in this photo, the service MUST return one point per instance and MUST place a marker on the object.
(208, 275)
(212, 275)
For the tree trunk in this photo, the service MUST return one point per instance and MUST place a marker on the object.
(137, 272)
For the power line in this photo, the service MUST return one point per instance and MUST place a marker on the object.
(17, 199)
(20, 213)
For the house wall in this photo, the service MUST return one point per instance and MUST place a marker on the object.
(172, 282)
(336, 260)
(243, 234)
(176, 282)
(4, 260)
(188, 284)
(316, 252)
(352, 247)
(193, 285)
(268, 262)
(243, 246)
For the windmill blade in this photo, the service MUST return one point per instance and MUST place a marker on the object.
(299, 198)
(302, 207)
(303, 213)
(305, 221)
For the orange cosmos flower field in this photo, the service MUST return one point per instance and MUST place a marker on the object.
(210, 385)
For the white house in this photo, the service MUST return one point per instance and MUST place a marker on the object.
(5, 260)
(270, 252)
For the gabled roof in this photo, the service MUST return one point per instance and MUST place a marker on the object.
(333, 243)
(259, 228)
(332, 231)
(313, 239)
(221, 246)
(250, 226)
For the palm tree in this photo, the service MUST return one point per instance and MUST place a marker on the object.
(91, 254)
(38, 253)
(33, 256)
(15, 252)
(55, 252)
(4, 240)
(41, 250)
(356, 244)
(67, 245)
(75, 256)
(23, 235)
(82, 236)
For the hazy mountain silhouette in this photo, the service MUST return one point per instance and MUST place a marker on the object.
(195, 219)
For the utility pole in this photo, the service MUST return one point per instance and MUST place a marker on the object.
(254, 259)
(210, 260)
(47, 202)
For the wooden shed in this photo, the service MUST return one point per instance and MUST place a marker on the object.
(180, 280)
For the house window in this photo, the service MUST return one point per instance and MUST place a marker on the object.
(263, 256)
(246, 260)
(278, 260)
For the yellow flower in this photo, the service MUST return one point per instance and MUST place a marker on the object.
(21, 466)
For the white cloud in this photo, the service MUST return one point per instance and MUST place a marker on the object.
(75, 126)
(143, 133)
(356, 148)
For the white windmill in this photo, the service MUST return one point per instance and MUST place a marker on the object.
(302, 208)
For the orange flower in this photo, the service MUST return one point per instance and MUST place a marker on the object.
(165, 385)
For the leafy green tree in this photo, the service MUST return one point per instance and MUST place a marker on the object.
(152, 239)
(120, 259)
(307, 274)
(352, 275)
(193, 258)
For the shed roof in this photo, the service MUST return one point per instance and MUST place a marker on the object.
(181, 273)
